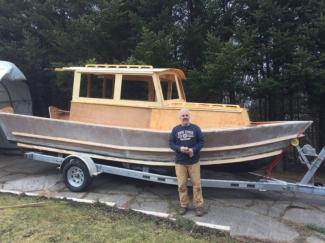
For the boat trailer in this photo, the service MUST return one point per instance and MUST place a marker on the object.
(79, 169)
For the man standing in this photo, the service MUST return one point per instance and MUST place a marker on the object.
(186, 140)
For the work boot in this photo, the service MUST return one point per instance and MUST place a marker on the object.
(183, 211)
(199, 211)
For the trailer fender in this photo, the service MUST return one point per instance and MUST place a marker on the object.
(85, 159)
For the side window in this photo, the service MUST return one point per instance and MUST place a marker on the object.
(169, 87)
(138, 88)
(97, 86)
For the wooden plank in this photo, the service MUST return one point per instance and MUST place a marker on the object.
(76, 85)
(131, 103)
(179, 88)
(148, 149)
(117, 87)
(135, 117)
(117, 66)
(158, 90)
(151, 91)
(108, 158)
(168, 118)
(100, 145)
(129, 71)
(7, 109)
(56, 113)
(154, 163)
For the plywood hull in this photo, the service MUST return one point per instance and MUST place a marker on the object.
(147, 146)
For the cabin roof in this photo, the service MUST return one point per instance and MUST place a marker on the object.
(123, 69)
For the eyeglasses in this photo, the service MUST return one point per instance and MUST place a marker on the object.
(185, 115)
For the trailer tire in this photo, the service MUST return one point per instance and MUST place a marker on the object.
(76, 175)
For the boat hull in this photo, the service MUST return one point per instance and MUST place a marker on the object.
(147, 146)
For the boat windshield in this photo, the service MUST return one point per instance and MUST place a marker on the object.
(136, 87)
(97, 86)
(171, 88)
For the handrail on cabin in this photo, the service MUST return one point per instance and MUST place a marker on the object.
(197, 105)
(118, 66)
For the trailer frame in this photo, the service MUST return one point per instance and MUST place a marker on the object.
(82, 169)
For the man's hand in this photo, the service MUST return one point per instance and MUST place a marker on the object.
(190, 152)
(187, 150)
(184, 150)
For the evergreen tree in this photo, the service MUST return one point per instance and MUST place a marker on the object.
(267, 52)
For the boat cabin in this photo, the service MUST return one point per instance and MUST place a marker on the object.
(140, 96)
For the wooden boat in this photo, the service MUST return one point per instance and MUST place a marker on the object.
(124, 113)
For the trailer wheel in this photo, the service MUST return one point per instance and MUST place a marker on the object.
(76, 175)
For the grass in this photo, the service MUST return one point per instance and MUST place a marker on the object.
(316, 228)
(65, 221)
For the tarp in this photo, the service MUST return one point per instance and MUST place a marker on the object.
(14, 92)
(10, 72)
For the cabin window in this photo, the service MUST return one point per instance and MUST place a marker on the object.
(138, 88)
(97, 86)
(169, 87)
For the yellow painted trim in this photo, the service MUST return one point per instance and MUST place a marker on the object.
(129, 71)
(76, 85)
(158, 89)
(241, 159)
(153, 163)
(167, 105)
(180, 84)
(184, 104)
(117, 88)
(178, 87)
(133, 103)
(117, 66)
(115, 159)
(151, 149)
(172, 71)
(249, 145)
(102, 145)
